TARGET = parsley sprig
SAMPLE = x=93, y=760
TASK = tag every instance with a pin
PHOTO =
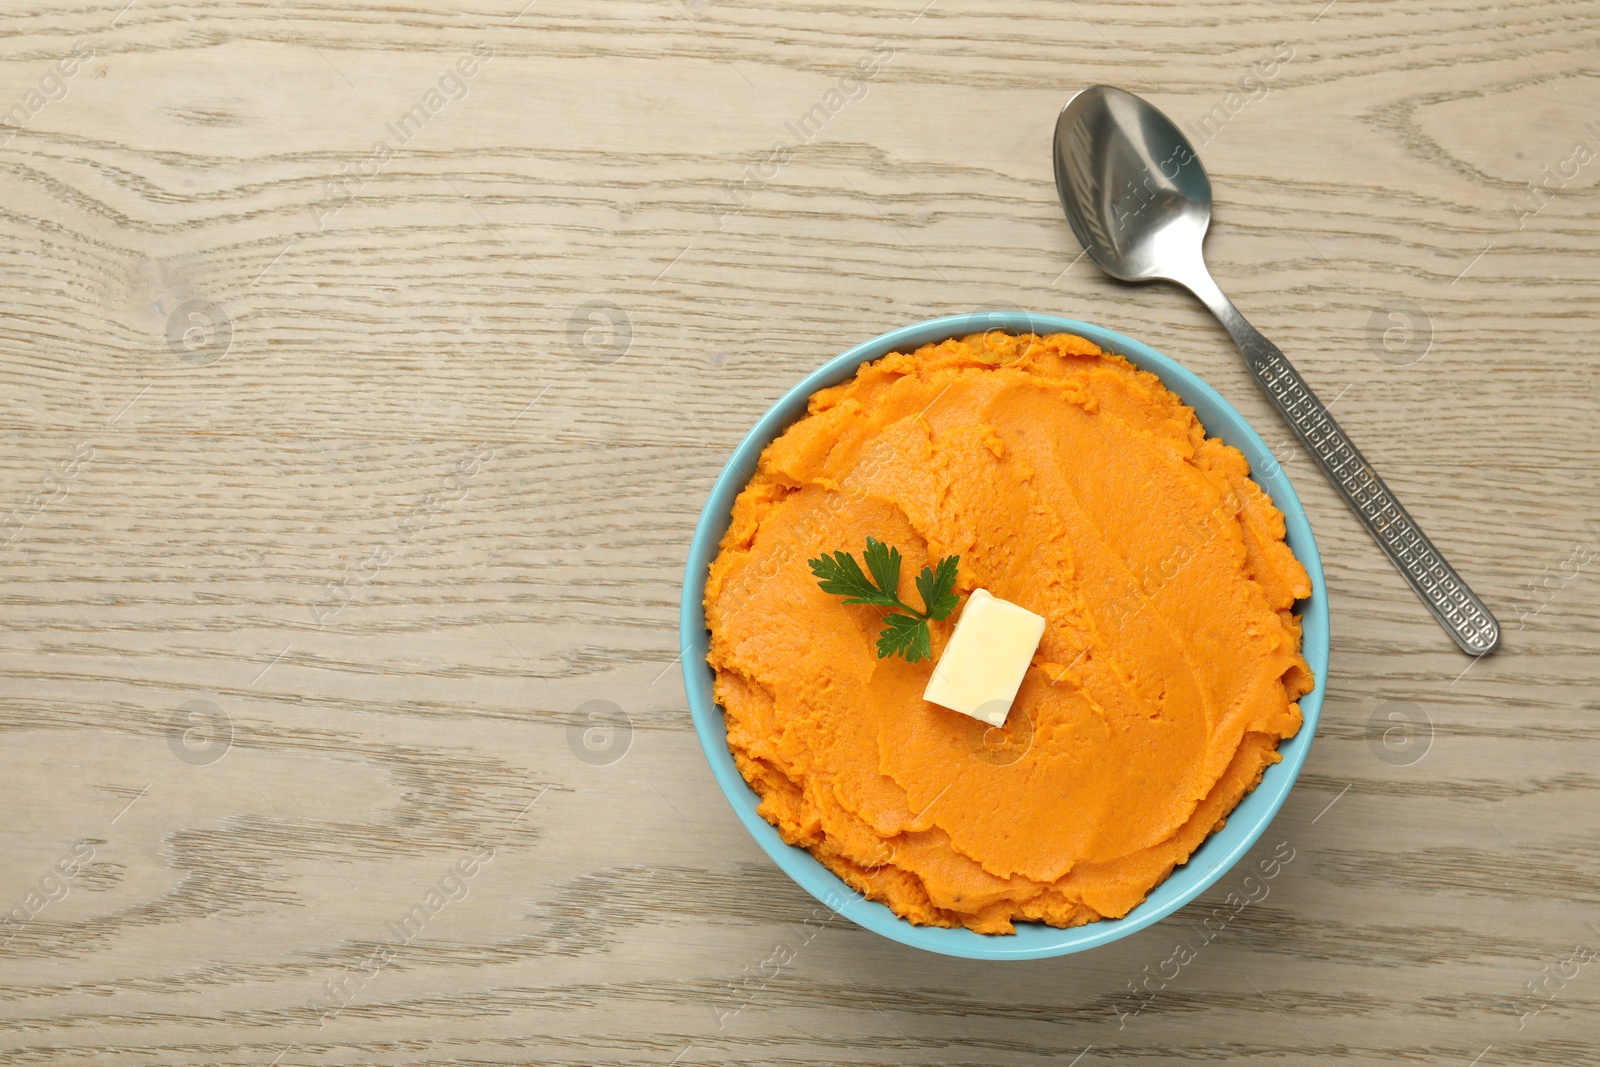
x=905, y=629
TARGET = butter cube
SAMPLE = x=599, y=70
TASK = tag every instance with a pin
x=988, y=654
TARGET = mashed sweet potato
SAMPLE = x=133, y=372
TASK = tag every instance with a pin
x=1073, y=484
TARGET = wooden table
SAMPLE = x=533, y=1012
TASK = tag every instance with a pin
x=364, y=370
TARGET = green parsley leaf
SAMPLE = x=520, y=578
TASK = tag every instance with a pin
x=884, y=563
x=841, y=575
x=937, y=587
x=905, y=636
x=905, y=629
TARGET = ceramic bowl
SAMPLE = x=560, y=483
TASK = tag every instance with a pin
x=1211, y=860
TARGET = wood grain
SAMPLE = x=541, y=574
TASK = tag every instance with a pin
x=335, y=502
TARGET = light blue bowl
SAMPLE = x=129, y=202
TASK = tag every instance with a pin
x=1032, y=940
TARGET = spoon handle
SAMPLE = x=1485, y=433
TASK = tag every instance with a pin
x=1456, y=607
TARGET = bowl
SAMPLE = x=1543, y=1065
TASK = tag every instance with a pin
x=1216, y=854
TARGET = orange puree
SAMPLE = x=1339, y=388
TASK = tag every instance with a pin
x=1081, y=488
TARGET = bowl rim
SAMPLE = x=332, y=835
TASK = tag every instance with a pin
x=1211, y=859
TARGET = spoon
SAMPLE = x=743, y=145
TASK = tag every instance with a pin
x=1140, y=202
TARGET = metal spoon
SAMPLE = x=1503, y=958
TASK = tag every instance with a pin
x=1140, y=202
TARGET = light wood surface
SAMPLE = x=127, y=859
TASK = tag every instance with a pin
x=328, y=525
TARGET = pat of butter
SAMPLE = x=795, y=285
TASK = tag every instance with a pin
x=989, y=652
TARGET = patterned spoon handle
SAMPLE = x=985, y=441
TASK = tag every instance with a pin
x=1456, y=607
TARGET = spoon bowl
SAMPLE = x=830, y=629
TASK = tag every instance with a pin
x=1131, y=185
